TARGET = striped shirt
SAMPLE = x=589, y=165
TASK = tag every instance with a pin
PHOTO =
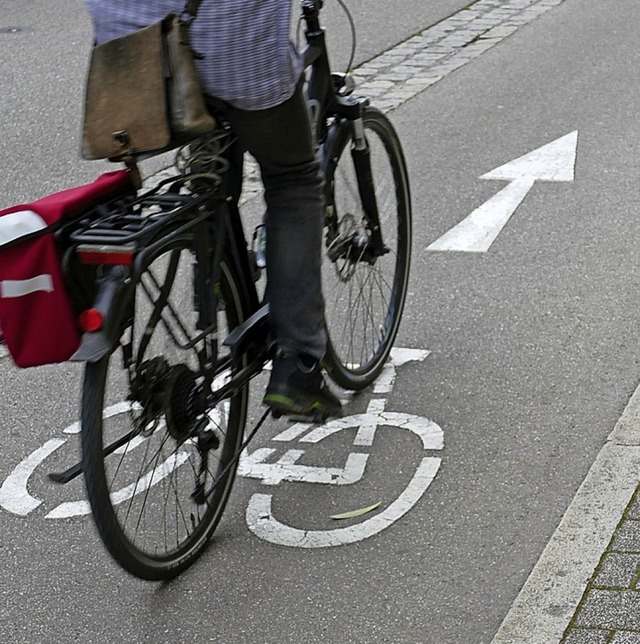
x=248, y=57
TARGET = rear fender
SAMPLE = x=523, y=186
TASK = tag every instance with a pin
x=112, y=300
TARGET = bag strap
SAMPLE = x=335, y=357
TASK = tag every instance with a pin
x=191, y=7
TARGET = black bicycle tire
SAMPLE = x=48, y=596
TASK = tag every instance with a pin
x=375, y=122
x=117, y=543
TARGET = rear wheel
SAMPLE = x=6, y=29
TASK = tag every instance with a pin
x=158, y=459
x=365, y=290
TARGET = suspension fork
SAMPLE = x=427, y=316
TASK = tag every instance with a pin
x=361, y=156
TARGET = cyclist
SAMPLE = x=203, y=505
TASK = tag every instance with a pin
x=250, y=64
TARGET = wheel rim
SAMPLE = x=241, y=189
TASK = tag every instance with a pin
x=364, y=295
x=161, y=496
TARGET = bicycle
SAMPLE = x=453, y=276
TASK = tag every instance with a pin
x=167, y=273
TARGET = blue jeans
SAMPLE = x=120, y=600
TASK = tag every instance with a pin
x=280, y=139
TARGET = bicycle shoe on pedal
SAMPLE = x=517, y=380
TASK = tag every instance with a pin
x=297, y=388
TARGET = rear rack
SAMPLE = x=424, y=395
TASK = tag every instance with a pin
x=129, y=220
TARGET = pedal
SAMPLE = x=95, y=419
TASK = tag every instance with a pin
x=312, y=419
x=253, y=330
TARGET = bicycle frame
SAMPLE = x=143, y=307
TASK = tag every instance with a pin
x=329, y=96
x=213, y=220
x=335, y=114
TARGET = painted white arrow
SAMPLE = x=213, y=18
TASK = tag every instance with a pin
x=554, y=161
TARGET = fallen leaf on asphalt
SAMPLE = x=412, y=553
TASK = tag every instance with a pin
x=356, y=513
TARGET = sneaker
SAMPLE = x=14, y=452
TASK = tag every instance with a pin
x=297, y=388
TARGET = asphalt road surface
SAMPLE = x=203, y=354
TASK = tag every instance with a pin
x=523, y=355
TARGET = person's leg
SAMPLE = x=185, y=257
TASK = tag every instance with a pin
x=280, y=140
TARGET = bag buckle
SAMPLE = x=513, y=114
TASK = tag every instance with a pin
x=121, y=139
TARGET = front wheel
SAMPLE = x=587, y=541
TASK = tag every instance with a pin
x=158, y=459
x=364, y=282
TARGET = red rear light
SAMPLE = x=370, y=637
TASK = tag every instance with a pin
x=110, y=255
x=90, y=320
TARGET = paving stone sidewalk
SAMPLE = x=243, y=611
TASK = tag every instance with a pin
x=408, y=69
x=609, y=611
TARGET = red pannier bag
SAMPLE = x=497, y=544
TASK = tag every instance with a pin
x=36, y=316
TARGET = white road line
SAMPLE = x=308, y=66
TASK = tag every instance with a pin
x=263, y=524
x=429, y=432
x=554, y=161
x=14, y=496
x=367, y=431
x=114, y=410
x=476, y=232
x=286, y=468
x=159, y=473
x=549, y=598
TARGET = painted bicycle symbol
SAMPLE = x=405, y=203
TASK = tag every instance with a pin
x=16, y=497
x=259, y=514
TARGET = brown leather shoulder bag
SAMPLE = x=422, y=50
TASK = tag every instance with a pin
x=143, y=95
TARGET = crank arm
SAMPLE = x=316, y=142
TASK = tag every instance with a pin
x=76, y=470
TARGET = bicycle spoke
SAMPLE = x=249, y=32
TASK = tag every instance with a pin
x=155, y=499
x=364, y=293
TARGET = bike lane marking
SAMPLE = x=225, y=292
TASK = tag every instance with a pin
x=14, y=496
x=259, y=516
x=263, y=524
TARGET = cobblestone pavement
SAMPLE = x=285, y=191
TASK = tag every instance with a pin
x=409, y=68
x=609, y=612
